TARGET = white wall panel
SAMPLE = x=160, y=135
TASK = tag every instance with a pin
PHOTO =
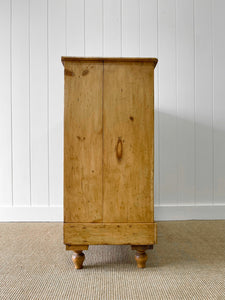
x=148, y=28
x=38, y=102
x=149, y=48
x=56, y=49
x=5, y=103
x=74, y=27
x=20, y=102
x=130, y=28
x=188, y=38
x=185, y=101
x=204, y=101
x=167, y=102
x=112, y=35
x=219, y=100
x=93, y=27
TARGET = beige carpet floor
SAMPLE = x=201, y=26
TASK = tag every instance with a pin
x=187, y=263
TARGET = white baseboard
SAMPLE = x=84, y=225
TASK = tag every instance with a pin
x=162, y=213
x=31, y=214
x=189, y=212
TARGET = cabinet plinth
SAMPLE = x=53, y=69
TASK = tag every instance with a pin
x=109, y=154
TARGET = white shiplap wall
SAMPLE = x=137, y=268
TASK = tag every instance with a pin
x=188, y=38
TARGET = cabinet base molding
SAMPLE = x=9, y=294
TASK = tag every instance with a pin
x=76, y=247
x=109, y=234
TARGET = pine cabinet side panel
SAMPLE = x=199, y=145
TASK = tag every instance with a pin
x=128, y=142
x=83, y=142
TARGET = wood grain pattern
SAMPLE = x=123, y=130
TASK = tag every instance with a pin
x=83, y=142
x=108, y=154
x=110, y=233
x=128, y=117
x=76, y=247
x=110, y=59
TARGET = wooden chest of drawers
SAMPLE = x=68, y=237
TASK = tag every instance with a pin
x=109, y=154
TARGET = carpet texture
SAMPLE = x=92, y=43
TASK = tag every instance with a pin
x=187, y=263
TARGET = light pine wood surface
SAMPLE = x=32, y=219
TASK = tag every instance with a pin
x=109, y=233
x=128, y=122
x=109, y=154
x=83, y=142
x=110, y=59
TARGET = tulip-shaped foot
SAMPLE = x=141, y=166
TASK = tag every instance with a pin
x=78, y=259
x=140, y=256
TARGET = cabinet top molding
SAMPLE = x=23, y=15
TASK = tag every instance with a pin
x=114, y=59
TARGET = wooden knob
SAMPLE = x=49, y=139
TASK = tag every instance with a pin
x=119, y=149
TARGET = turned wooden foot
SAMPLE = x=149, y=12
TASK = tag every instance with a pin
x=140, y=256
x=78, y=259
x=78, y=256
